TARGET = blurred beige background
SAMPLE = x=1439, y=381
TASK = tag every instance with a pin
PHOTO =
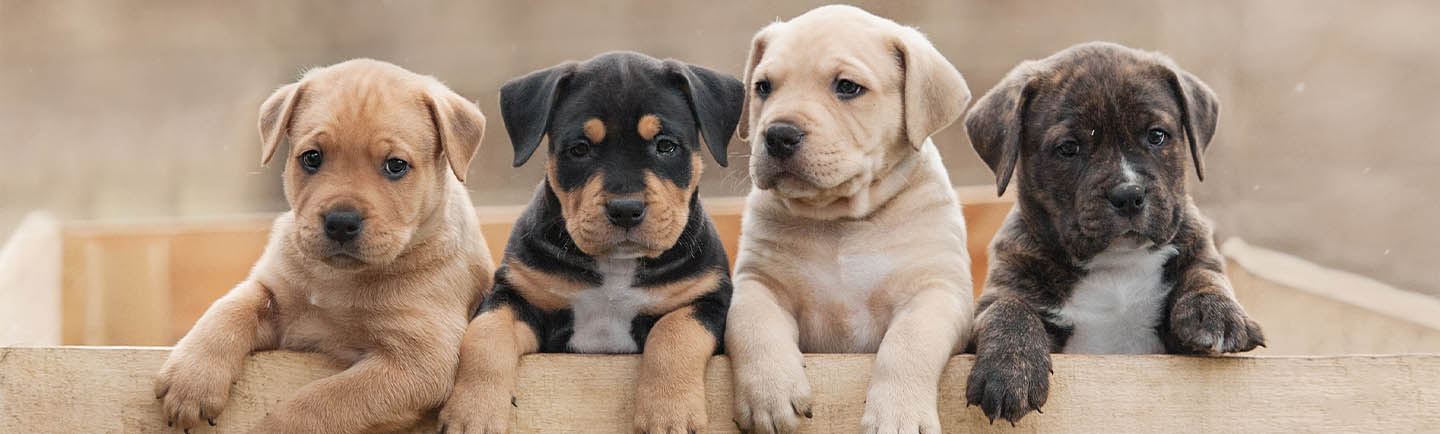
x=126, y=110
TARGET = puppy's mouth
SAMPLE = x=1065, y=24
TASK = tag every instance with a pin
x=631, y=249
x=801, y=186
x=343, y=260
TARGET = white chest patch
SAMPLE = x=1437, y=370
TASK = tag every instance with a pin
x=603, y=314
x=1115, y=308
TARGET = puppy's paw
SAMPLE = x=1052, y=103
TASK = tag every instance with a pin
x=896, y=409
x=771, y=397
x=192, y=390
x=670, y=409
x=474, y=412
x=1008, y=384
x=1210, y=323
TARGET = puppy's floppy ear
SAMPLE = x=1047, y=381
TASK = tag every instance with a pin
x=747, y=84
x=935, y=93
x=996, y=121
x=1199, y=111
x=715, y=100
x=526, y=104
x=275, y=115
x=459, y=126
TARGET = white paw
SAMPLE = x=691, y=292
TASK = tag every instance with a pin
x=898, y=409
x=771, y=398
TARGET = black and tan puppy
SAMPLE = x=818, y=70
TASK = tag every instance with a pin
x=1104, y=251
x=615, y=253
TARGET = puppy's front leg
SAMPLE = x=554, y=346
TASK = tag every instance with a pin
x=923, y=335
x=1204, y=316
x=670, y=396
x=195, y=380
x=762, y=340
x=1011, y=375
x=385, y=391
x=485, y=383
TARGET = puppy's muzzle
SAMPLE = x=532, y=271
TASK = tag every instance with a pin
x=625, y=212
x=343, y=225
x=1127, y=199
x=782, y=139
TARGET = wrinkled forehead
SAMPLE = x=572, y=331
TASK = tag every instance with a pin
x=621, y=96
x=801, y=50
x=1110, y=92
x=362, y=109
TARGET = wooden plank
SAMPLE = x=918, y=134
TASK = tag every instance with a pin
x=75, y=389
x=1309, y=309
x=116, y=288
x=203, y=266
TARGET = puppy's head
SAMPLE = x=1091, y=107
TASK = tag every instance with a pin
x=1101, y=135
x=836, y=98
x=372, y=148
x=624, y=132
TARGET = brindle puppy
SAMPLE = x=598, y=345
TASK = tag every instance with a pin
x=1104, y=252
x=615, y=253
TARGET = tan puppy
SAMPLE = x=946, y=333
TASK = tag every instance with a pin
x=377, y=264
x=853, y=240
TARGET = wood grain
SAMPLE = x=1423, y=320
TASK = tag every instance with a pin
x=108, y=390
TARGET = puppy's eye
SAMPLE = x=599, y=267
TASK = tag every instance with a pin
x=579, y=150
x=1157, y=137
x=762, y=89
x=666, y=146
x=1068, y=149
x=310, y=160
x=847, y=89
x=395, y=168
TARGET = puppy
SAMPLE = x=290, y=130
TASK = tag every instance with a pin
x=376, y=265
x=615, y=253
x=852, y=240
x=1104, y=251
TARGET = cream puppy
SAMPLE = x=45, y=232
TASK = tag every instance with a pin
x=852, y=240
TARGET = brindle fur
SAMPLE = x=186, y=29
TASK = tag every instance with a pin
x=1105, y=97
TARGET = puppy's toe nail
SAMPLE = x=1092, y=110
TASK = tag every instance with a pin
x=170, y=423
x=212, y=421
x=1037, y=411
x=512, y=402
x=444, y=427
x=809, y=414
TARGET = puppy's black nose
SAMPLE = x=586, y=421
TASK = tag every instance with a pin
x=343, y=226
x=782, y=139
x=1128, y=199
x=625, y=212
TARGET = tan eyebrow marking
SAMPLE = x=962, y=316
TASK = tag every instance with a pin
x=595, y=130
x=648, y=127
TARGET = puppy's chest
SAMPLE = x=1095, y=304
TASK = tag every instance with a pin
x=323, y=322
x=842, y=314
x=1116, y=307
x=604, y=315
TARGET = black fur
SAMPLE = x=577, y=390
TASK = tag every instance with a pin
x=618, y=89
